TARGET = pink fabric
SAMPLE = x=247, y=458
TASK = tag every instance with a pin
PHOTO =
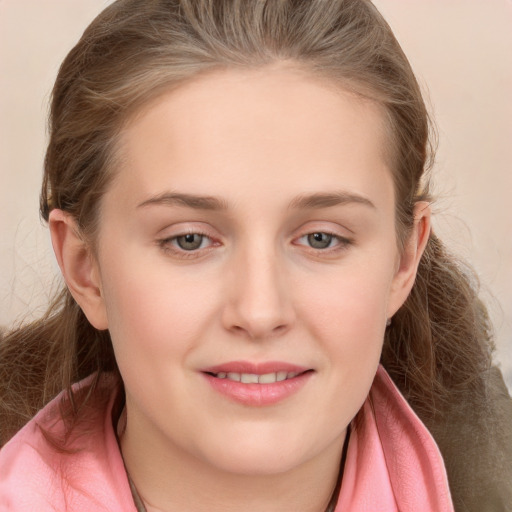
x=392, y=465
x=36, y=477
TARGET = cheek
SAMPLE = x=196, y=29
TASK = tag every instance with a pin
x=152, y=312
x=348, y=313
x=349, y=322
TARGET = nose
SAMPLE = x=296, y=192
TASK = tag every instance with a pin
x=259, y=302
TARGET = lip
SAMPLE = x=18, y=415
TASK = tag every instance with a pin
x=256, y=368
x=257, y=395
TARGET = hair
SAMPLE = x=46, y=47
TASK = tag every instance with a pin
x=439, y=344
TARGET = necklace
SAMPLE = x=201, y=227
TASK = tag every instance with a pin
x=139, y=504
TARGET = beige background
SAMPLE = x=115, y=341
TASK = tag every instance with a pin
x=461, y=48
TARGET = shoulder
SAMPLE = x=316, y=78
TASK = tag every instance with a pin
x=475, y=438
x=84, y=473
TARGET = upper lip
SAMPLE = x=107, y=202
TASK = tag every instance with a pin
x=260, y=368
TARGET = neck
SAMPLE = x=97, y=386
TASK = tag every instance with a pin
x=169, y=480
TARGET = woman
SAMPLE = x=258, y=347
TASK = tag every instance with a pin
x=238, y=203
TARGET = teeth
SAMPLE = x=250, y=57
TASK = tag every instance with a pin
x=252, y=378
x=249, y=378
x=268, y=378
x=281, y=376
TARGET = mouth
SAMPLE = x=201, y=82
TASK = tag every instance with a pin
x=257, y=384
x=254, y=378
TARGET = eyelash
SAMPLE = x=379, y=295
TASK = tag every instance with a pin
x=169, y=247
x=169, y=244
x=342, y=243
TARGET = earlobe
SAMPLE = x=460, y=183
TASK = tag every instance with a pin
x=78, y=267
x=405, y=276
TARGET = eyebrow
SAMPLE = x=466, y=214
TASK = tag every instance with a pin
x=309, y=201
x=188, y=200
x=326, y=200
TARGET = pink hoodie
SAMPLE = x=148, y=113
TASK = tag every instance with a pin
x=392, y=464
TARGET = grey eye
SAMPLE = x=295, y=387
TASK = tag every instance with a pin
x=190, y=241
x=320, y=240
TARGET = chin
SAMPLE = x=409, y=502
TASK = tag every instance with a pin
x=264, y=458
x=257, y=464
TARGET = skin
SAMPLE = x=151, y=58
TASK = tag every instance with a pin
x=260, y=142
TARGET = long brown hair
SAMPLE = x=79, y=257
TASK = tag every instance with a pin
x=439, y=343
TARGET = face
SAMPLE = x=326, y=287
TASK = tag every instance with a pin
x=247, y=263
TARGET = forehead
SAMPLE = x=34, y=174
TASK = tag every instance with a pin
x=249, y=125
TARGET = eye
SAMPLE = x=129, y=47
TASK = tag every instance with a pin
x=190, y=241
x=186, y=244
x=321, y=240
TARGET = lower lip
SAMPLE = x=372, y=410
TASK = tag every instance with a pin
x=258, y=394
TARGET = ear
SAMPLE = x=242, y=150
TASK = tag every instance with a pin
x=78, y=266
x=405, y=276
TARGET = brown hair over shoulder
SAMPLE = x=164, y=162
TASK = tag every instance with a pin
x=438, y=346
